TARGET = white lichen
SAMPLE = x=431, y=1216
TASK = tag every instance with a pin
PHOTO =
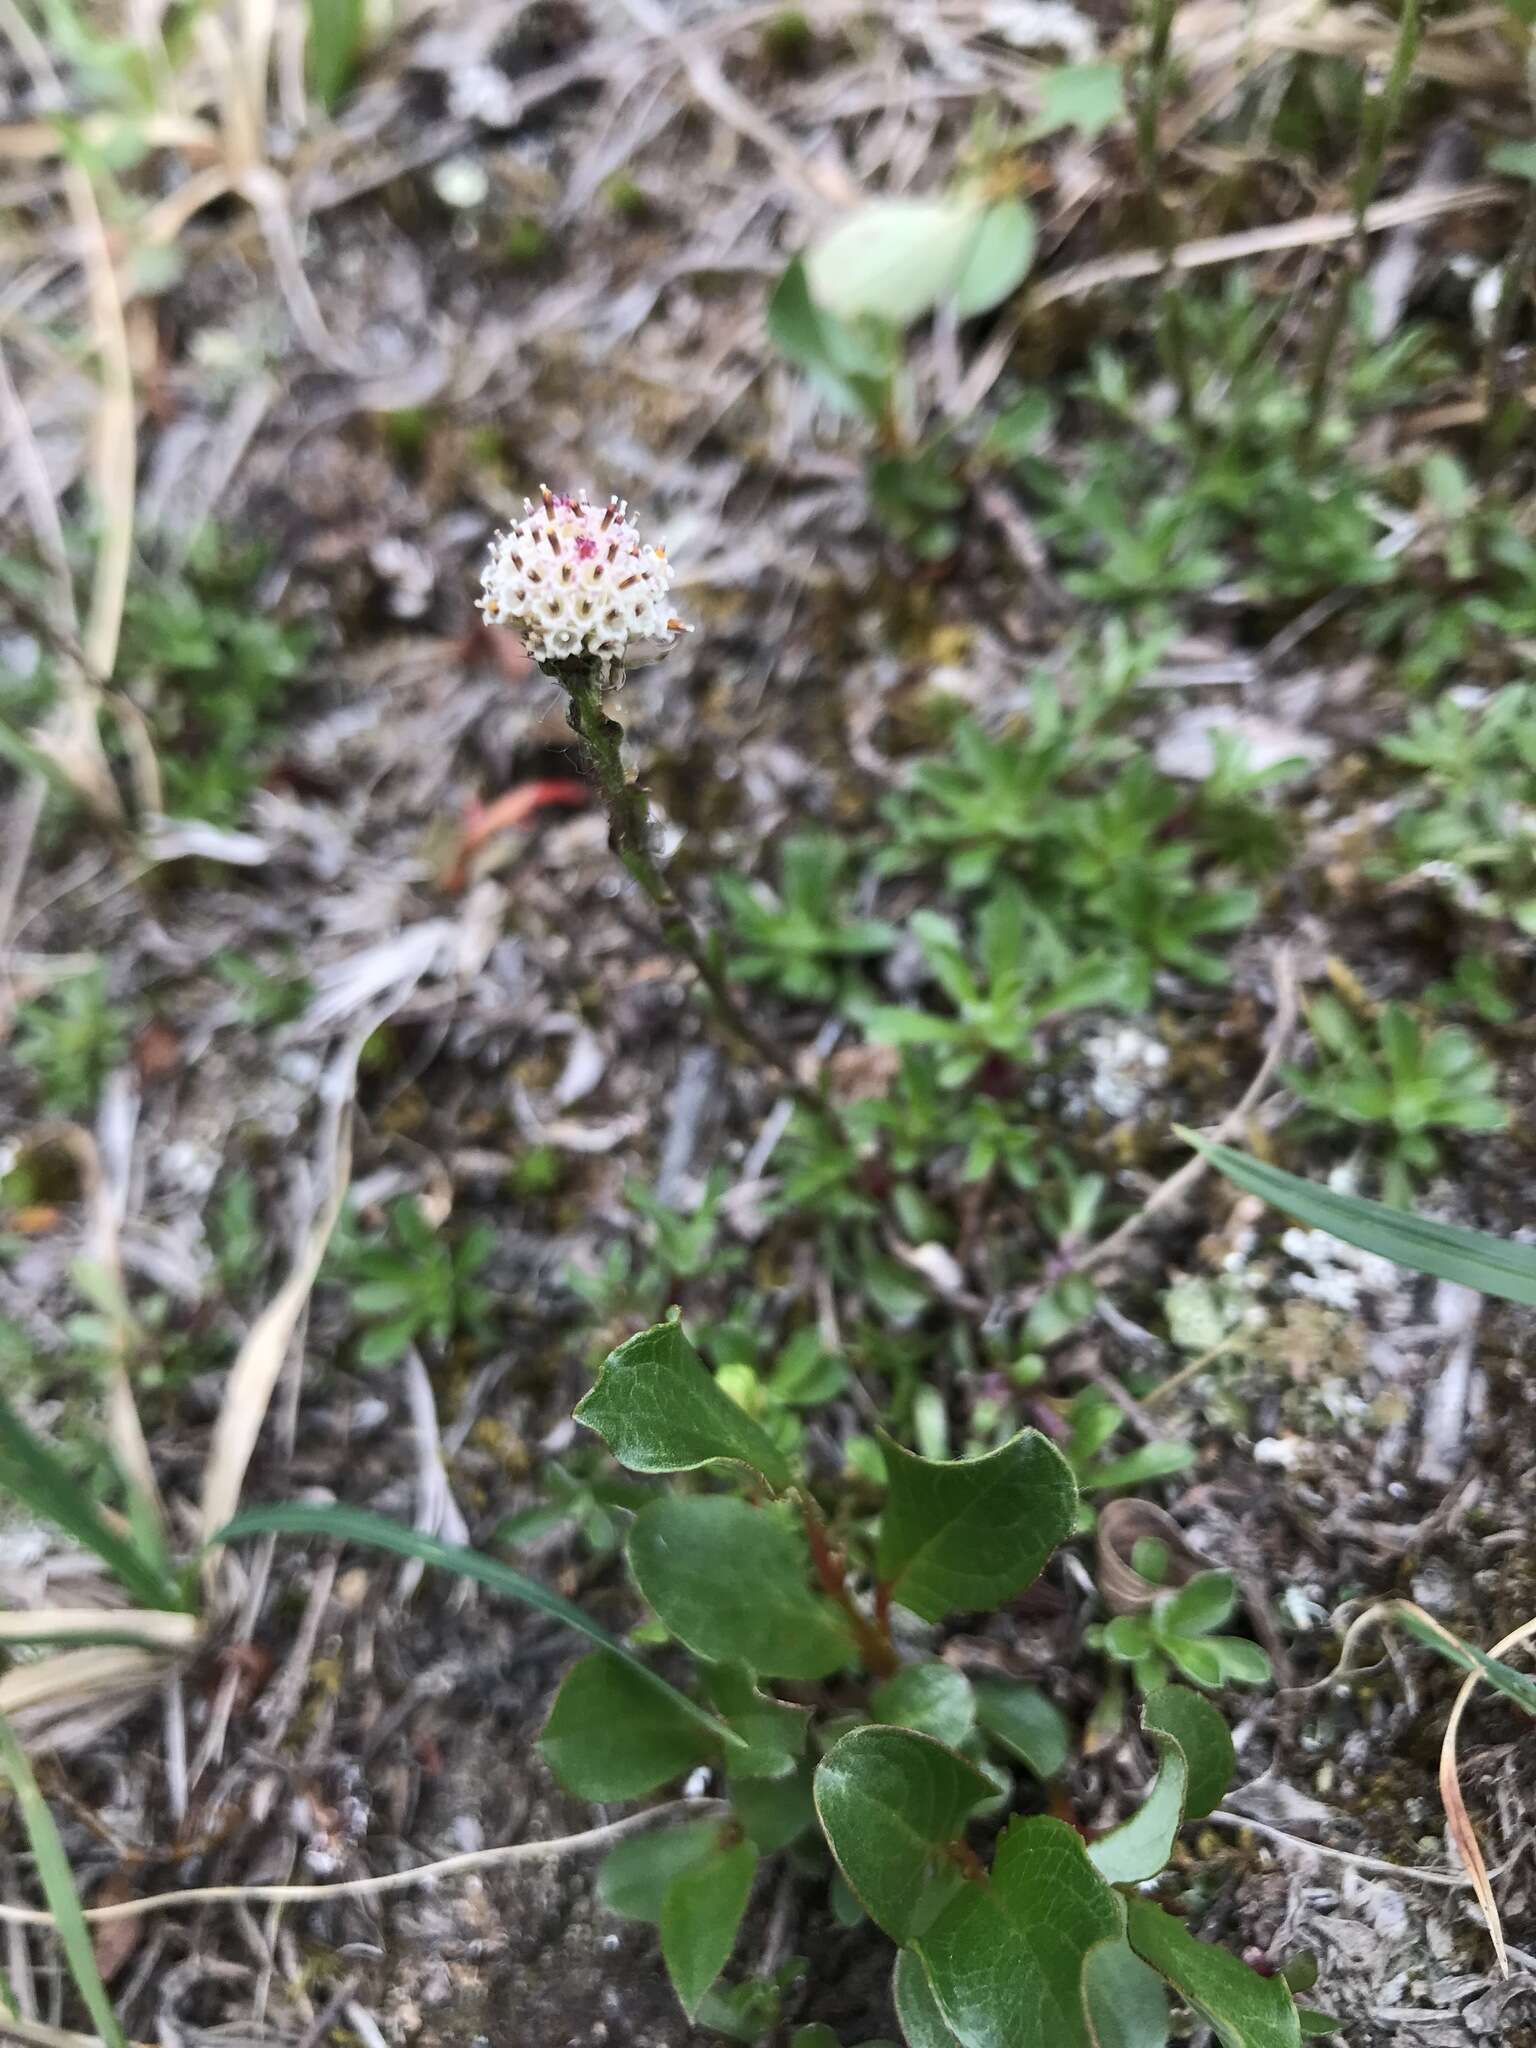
x=575, y=582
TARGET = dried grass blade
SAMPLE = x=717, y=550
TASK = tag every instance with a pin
x=149, y=1628
x=254, y=1375
x=79, y=1676
x=1462, y=1832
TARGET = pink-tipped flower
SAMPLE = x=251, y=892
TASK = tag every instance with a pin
x=574, y=581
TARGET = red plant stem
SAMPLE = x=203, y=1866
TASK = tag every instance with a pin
x=875, y=1645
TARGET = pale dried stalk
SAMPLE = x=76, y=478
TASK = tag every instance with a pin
x=154, y=1628
x=253, y=1377
x=388, y=1881
x=79, y=1676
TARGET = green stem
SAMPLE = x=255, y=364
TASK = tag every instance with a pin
x=629, y=834
x=1379, y=118
x=1151, y=93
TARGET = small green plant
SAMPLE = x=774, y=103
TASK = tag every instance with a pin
x=1017, y=972
x=1402, y=1083
x=1467, y=821
x=412, y=1285
x=70, y=1040
x=212, y=674
x=1178, y=1633
x=804, y=940
x=1094, y=1421
x=840, y=1740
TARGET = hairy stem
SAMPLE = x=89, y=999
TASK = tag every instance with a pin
x=873, y=1638
x=630, y=836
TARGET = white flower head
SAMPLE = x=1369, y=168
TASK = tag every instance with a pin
x=574, y=581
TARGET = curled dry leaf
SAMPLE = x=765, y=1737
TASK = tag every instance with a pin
x=1458, y=1820
x=1122, y=1525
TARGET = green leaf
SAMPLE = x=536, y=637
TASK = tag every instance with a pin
x=935, y=1699
x=773, y=1811
x=1246, y=2010
x=893, y=259
x=1493, y=1265
x=1087, y=97
x=1316, y=2025
x=357, y=1525
x=58, y=1882
x=729, y=1581
x=700, y=1916
x=635, y=1874
x=333, y=47
x=999, y=260
x=1515, y=1685
x=773, y=1730
x=916, y=2007
x=612, y=1735
x=1198, y=1607
x=1516, y=159
x=1140, y=1846
x=1203, y=1735
x=849, y=367
x=1124, y=2001
x=890, y=1803
x=1005, y=1959
x=957, y=1537
x=1022, y=1721
x=658, y=1409
x=39, y=1479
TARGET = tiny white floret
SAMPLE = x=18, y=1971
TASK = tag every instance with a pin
x=575, y=582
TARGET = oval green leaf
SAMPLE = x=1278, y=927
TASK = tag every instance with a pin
x=957, y=1536
x=1199, y=1730
x=917, y=2009
x=729, y=1581
x=700, y=1916
x=1024, y=1723
x=613, y=1735
x=935, y=1699
x=999, y=260
x=1245, y=2009
x=1005, y=1959
x=890, y=1802
x=635, y=1874
x=1125, y=2002
x=1139, y=1847
x=893, y=259
x=657, y=1407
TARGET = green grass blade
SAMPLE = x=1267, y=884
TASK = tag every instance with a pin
x=58, y=1882
x=1514, y=1685
x=357, y=1525
x=36, y=1476
x=1493, y=1265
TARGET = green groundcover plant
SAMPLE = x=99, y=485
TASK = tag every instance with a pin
x=809, y=1685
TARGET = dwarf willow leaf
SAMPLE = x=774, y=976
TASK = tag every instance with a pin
x=959, y=1536
x=999, y=259
x=1139, y=1847
x=729, y=1581
x=658, y=1409
x=935, y=1699
x=700, y=1915
x=916, y=2007
x=773, y=1730
x=1448, y=1251
x=635, y=1874
x=1245, y=2009
x=890, y=1802
x=611, y=1734
x=1125, y=2002
x=1205, y=1739
x=1005, y=1959
x=893, y=259
x=1024, y=1723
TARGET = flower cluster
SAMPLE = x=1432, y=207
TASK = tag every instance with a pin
x=575, y=582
